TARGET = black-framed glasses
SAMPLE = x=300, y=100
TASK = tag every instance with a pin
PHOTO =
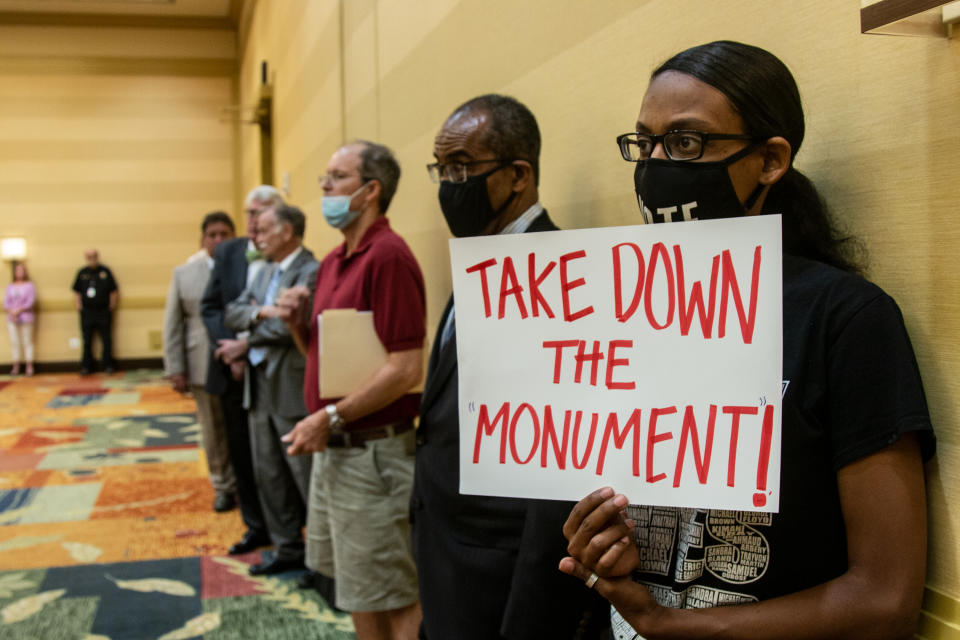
x=456, y=171
x=681, y=145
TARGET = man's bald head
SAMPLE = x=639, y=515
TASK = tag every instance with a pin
x=510, y=131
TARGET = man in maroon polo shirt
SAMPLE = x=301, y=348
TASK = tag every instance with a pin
x=357, y=528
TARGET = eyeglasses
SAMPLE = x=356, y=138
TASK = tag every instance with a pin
x=337, y=176
x=681, y=145
x=456, y=171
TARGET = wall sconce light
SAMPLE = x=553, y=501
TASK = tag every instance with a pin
x=13, y=248
x=909, y=17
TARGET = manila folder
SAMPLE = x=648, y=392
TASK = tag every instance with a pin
x=350, y=350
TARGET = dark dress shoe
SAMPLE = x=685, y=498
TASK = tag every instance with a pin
x=251, y=541
x=224, y=502
x=277, y=565
x=321, y=584
x=307, y=579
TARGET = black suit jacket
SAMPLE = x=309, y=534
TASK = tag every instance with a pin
x=487, y=565
x=227, y=281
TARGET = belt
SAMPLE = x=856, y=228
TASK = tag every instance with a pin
x=361, y=437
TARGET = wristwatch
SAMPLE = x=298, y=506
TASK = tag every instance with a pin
x=336, y=422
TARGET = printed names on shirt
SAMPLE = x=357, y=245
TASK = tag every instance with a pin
x=725, y=544
x=744, y=556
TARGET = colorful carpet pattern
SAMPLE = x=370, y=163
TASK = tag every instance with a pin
x=106, y=525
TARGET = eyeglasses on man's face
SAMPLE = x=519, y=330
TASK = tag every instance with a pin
x=680, y=145
x=337, y=176
x=456, y=171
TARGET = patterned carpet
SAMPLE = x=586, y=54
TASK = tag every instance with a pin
x=107, y=529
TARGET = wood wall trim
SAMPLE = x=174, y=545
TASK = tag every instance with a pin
x=44, y=19
x=941, y=605
x=939, y=617
x=885, y=12
x=236, y=11
x=90, y=65
x=71, y=366
x=125, y=304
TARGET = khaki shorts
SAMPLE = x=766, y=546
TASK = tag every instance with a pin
x=358, y=527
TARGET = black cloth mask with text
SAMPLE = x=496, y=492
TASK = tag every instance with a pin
x=669, y=191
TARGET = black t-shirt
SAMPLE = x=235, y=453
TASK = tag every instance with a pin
x=94, y=287
x=851, y=387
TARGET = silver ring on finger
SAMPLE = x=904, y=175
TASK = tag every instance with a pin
x=592, y=580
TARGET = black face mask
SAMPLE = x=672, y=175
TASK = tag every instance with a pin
x=466, y=205
x=669, y=191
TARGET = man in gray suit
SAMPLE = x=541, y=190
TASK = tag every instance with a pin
x=276, y=368
x=186, y=354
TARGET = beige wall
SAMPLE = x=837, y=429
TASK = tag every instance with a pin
x=883, y=131
x=110, y=138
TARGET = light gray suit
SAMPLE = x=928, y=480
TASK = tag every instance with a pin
x=186, y=351
x=277, y=404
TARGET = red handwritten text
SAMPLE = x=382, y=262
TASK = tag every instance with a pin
x=512, y=291
x=659, y=266
x=525, y=431
x=593, y=358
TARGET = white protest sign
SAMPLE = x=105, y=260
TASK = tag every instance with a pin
x=647, y=358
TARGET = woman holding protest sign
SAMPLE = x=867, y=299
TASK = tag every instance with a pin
x=844, y=557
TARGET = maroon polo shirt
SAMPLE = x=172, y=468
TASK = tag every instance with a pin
x=380, y=276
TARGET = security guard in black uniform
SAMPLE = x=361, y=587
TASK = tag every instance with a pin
x=95, y=293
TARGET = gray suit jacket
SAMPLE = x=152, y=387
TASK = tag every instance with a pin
x=284, y=366
x=185, y=342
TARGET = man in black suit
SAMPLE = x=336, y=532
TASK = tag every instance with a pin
x=235, y=263
x=487, y=566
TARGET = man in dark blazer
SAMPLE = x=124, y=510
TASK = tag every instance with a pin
x=487, y=565
x=234, y=262
x=276, y=370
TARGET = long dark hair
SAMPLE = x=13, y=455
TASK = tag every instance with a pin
x=763, y=92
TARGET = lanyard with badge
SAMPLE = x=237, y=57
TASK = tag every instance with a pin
x=91, y=289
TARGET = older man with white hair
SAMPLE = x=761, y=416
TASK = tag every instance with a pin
x=235, y=264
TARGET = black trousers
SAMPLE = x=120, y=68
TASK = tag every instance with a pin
x=238, y=444
x=97, y=321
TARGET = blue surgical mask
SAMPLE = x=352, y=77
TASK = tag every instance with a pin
x=337, y=211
